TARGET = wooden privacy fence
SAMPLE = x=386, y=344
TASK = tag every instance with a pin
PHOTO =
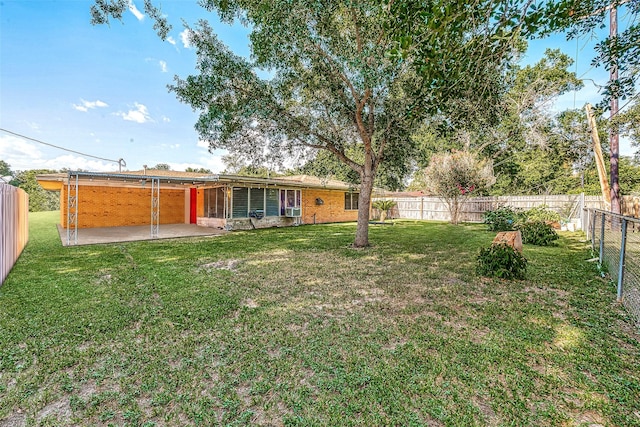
x=570, y=207
x=14, y=226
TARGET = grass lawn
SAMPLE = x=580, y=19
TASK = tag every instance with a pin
x=291, y=326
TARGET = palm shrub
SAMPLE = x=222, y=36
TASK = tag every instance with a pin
x=501, y=261
x=383, y=206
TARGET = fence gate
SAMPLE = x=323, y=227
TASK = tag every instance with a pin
x=616, y=240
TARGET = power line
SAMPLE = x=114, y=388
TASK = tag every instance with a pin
x=60, y=148
x=625, y=105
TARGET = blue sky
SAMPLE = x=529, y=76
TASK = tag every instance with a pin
x=102, y=90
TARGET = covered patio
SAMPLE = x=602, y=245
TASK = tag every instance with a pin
x=97, y=235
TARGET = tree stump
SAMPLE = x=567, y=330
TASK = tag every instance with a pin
x=510, y=238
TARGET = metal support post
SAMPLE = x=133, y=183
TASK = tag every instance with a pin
x=72, y=210
x=602, y=239
x=623, y=250
x=155, y=207
x=582, y=222
x=593, y=230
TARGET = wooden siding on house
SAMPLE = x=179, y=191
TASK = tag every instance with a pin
x=332, y=210
x=107, y=206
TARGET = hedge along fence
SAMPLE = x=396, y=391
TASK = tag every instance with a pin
x=14, y=226
x=570, y=207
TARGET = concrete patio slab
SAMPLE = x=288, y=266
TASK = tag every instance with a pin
x=90, y=236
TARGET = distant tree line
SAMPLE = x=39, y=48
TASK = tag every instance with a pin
x=39, y=198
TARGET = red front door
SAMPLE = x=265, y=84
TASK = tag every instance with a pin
x=193, y=204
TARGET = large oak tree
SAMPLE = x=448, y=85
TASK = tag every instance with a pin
x=343, y=76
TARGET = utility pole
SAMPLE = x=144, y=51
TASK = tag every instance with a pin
x=599, y=158
x=614, y=137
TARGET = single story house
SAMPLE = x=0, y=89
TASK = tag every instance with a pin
x=155, y=197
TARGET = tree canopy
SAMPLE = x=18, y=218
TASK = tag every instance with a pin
x=355, y=80
x=343, y=77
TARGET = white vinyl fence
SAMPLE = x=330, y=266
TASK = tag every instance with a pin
x=14, y=226
x=570, y=207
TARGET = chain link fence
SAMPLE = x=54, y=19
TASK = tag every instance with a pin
x=616, y=238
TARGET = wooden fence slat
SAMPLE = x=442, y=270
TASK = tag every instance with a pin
x=433, y=208
x=14, y=226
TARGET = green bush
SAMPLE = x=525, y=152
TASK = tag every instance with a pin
x=502, y=219
x=538, y=233
x=542, y=213
x=501, y=261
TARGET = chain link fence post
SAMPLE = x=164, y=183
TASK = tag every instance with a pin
x=601, y=255
x=623, y=250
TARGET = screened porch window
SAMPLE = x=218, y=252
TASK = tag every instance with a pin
x=273, y=206
x=214, y=199
x=248, y=201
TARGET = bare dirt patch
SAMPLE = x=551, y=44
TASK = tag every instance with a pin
x=229, y=264
x=59, y=409
x=14, y=420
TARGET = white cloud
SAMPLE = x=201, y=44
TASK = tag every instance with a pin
x=162, y=64
x=214, y=164
x=171, y=40
x=184, y=37
x=19, y=153
x=133, y=9
x=85, y=106
x=212, y=161
x=170, y=146
x=75, y=163
x=23, y=155
x=139, y=115
x=33, y=125
x=166, y=119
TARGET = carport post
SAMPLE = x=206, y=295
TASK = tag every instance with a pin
x=155, y=207
x=72, y=209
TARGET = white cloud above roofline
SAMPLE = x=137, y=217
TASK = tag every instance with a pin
x=134, y=10
x=184, y=38
x=140, y=114
x=85, y=106
x=24, y=155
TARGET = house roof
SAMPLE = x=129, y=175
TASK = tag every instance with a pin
x=56, y=180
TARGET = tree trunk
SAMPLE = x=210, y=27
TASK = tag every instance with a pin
x=364, y=201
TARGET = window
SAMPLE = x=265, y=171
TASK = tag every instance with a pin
x=214, y=202
x=290, y=199
x=256, y=199
x=351, y=201
x=273, y=202
x=240, y=202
